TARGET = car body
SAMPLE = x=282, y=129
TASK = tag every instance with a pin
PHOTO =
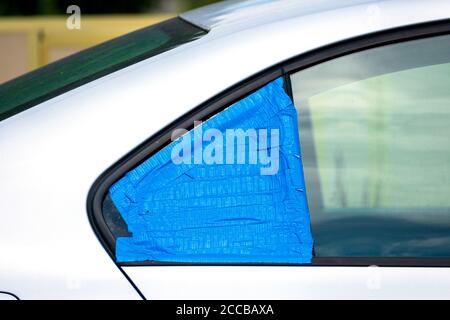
x=53, y=154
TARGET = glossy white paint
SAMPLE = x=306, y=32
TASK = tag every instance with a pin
x=51, y=154
x=229, y=16
x=267, y=283
x=6, y=297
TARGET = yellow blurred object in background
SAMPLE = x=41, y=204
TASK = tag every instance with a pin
x=29, y=43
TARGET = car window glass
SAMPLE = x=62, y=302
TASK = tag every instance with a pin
x=375, y=130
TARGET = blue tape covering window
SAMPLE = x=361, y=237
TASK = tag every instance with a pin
x=221, y=213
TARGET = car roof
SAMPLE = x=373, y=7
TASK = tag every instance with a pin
x=250, y=13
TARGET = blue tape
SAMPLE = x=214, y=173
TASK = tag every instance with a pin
x=224, y=213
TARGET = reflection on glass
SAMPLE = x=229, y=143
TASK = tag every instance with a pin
x=375, y=129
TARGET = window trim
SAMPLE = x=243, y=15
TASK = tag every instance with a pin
x=214, y=105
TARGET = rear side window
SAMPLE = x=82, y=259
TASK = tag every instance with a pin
x=375, y=128
x=229, y=191
x=87, y=65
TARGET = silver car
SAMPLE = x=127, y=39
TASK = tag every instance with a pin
x=356, y=94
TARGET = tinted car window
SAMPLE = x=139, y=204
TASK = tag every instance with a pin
x=87, y=65
x=374, y=130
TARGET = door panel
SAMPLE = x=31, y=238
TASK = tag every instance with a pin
x=373, y=128
x=191, y=282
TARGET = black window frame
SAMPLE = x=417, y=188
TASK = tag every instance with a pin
x=216, y=104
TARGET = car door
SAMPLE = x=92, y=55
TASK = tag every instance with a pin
x=359, y=207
